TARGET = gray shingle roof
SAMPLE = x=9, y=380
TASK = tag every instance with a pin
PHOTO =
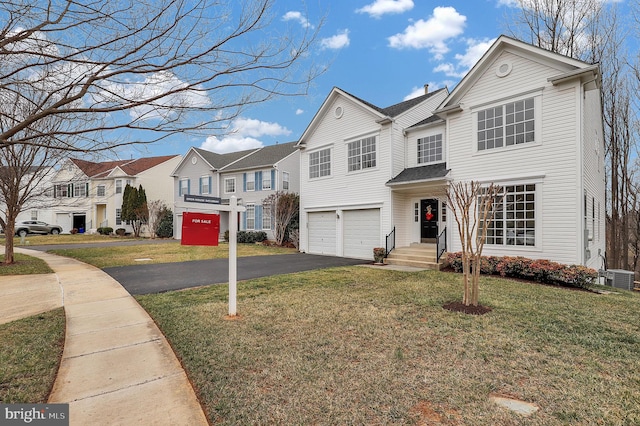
x=266, y=156
x=422, y=173
x=219, y=161
x=399, y=108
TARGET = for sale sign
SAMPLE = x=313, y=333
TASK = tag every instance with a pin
x=200, y=229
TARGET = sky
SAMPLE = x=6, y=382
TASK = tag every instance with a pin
x=382, y=51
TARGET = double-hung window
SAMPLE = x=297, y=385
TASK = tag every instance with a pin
x=266, y=216
x=506, y=125
x=118, y=186
x=251, y=182
x=184, y=187
x=266, y=180
x=285, y=180
x=514, y=220
x=229, y=185
x=361, y=154
x=251, y=217
x=80, y=189
x=204, y=185
x=430, y=149
x=320, y=163
x=101, y=191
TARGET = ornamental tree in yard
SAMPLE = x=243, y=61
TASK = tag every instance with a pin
x=284, y=208
x=473, y=206
x=134, y=207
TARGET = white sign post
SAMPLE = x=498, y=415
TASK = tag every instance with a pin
x=233, y=208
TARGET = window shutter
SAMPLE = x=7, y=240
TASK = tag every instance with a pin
x=210, y=188
x=273, y=180
x=244, y=182
x=258, y=224
x=258, y=181
x=70, y=190
x=200, y=186
x=188, y=186
x=86, y=192
x=54, y=191
x=244, y=221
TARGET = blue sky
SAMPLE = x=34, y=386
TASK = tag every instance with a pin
x=382, y=51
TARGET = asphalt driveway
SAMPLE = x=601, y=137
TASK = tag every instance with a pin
x=158, y=278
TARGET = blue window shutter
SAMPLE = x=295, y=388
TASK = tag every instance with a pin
x=273, y=180
x=244, y=221
x=210, y=188
x=188, y=186
x=258, y=181
x=244, y=182
x=200, y=186
x=258, y=218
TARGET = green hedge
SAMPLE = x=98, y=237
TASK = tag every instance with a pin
x=105, y=230
x=540, y=270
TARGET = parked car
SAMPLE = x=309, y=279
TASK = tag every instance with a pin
x=36, y=227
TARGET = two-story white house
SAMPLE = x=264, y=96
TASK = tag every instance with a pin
x=88, y=195
x=251, y=176
x=524, y=118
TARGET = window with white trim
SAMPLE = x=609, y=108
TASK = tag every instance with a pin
x=251, y=182
x=229, y=185
x=514, y=220
x=61, y=190
x=361, y=154
x=118, y=216
x=251, y=217
x=204, y=185
x=118, y=186
x=80, y=189
x=320, y=163
x=34, y=214
x=266, y=180
x=285, y=180
x=101, y=191
x=430, y=149
x=506, y=125
x=184, y=187
x=266, y=216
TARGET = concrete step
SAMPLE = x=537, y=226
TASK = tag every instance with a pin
x=417, y=255
x=430, y=257
x=415, y=263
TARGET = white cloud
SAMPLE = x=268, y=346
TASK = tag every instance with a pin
x=475, y=50
x=337, y=41
x=432, y=34
x=419, y=91
x=244, y=134
x=299, y=111
x=382, y=7
x=297, y=16
x=229, y=144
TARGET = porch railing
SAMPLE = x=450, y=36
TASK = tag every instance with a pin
x=390, y=243
x=441, y=244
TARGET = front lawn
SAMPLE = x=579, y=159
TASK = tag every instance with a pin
x=24, y=265
x=167, y=252
x=30, y=352
x=370, y=346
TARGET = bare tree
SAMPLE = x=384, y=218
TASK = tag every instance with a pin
x=473, y=206
x=110, y=67
x=284, y=207
x=154, y=207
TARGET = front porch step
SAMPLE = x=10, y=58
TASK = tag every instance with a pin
x=416, y=255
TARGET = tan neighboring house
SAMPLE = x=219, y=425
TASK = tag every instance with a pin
x=88, y=195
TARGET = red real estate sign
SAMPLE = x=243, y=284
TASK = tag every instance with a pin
x=200, y=229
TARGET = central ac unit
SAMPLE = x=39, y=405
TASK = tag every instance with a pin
x=619, y=278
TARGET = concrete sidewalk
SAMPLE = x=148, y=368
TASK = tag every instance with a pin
x=117, y=368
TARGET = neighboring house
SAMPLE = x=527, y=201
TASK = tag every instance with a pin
x=37, y=205
x=88, y=195
x=524, y=118
x=251, y=176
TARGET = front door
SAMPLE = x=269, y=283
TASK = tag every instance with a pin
x=429, y=220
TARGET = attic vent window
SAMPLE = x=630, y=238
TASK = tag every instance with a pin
x=504, y=69
x=338, y=112
x=194, y=159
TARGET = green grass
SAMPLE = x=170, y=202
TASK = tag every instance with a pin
x=371, y=346
x=30, y=352
x=104, y=257
x=35, y=239
x=24, y=265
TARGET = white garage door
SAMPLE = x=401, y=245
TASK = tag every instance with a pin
x=361, y=232
x=177, y=229
x=64, y=220
x=322, y=233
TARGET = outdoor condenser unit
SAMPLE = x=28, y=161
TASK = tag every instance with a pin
x=619, y=278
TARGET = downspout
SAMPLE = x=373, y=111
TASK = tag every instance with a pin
x=581, y=198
